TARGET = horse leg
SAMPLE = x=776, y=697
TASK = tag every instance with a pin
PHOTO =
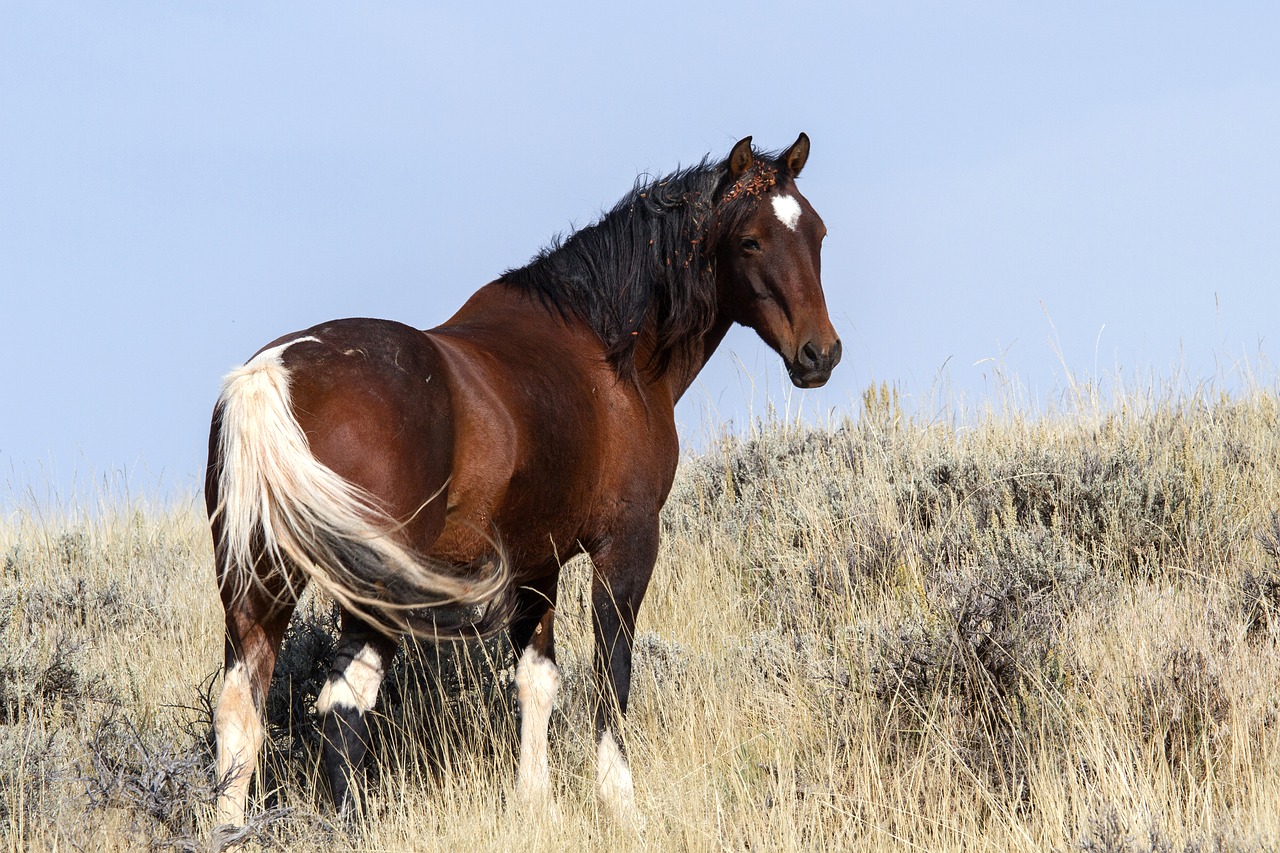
x=537, y=681
x=256, y=621
x=622, y=575
x=347, y=696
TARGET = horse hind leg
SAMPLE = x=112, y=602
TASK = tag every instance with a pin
x=348, y=695
x=537, y=682
x=256, y=623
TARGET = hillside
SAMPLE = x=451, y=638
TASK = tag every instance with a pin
x=1019, y=634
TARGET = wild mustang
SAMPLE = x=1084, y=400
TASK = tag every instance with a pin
x=424, y=478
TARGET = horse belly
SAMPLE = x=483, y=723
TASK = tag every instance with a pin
x=501, y=498
x=526, y=469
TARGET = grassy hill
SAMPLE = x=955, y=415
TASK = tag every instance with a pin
x=1016, y=634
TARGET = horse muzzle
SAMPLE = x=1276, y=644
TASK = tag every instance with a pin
x=811, y=367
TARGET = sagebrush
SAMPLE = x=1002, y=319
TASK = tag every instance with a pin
x=1006, y=633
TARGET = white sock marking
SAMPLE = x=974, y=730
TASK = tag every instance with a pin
x=537, y=681
x=787, y=209
x=240, y=731
x=357, y=685
x=614, y=789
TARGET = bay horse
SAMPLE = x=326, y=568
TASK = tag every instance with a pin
x=433, y=482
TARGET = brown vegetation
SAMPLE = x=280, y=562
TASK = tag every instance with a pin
x=1023, y=634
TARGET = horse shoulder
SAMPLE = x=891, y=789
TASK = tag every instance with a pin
x=640, y=452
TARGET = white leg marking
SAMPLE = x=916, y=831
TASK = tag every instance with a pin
x=614, y=789
x=239, y=730
x=787, y=209
x=356, y=686
x=537, y=681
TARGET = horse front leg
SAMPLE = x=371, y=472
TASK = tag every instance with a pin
x=622, y=572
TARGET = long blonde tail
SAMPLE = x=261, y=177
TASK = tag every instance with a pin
x=282, y=510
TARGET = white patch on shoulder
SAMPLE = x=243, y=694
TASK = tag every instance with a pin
x=787, y=209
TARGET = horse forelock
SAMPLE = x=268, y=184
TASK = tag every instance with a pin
x=649, y=259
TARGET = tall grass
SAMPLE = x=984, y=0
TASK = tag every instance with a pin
x=1001, y=632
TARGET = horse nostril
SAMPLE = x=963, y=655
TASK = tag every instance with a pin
x=809, y=355
x=835, y=352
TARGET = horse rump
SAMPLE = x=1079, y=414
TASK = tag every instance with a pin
x=281, y=517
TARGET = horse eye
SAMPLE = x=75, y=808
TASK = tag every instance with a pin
x=750, y=244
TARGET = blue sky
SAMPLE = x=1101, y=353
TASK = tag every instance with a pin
x=1009, y=187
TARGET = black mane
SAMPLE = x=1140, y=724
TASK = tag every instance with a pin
x=650, y=258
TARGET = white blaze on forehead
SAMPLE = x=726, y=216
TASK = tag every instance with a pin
x=787, y=209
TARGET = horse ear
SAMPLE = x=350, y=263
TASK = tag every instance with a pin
x=797, y=155
x=740, y=158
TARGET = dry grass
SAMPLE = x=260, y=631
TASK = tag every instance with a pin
x=1024, y=634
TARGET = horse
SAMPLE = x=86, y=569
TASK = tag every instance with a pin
x=433, y=482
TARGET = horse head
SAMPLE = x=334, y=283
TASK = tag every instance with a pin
x=768, y=244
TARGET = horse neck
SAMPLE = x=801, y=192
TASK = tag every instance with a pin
x=688, y=359
x=686, y=362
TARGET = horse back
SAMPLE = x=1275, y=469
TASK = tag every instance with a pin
x=505, y=424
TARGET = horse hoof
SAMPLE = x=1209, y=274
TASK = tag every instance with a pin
x=535, y=805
